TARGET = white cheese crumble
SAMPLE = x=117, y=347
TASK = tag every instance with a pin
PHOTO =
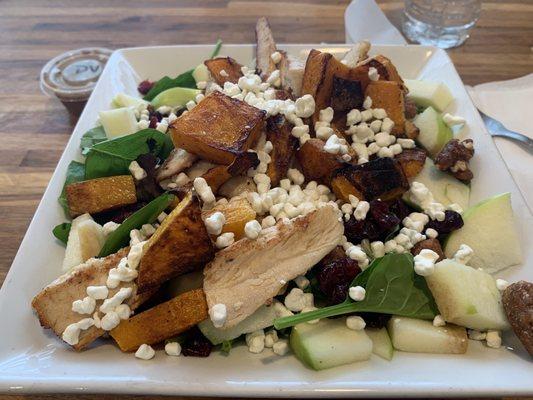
x=85, y=306
x=111, y=303
x=97, y=292
x=367, y=104
x=173, y=349
x=373, y=74
x=297, y=300
x=225, y=240
x=355, y=323
x=378, y=249
x=357, y=293
x=136, y=170
x=275, y=57
x=431, y=233
x=271, y=337
x=452, y=120
x=252, y=229
x=255, y=341
x=502, y=284
x=439, y=321
x=71, y=334
x=463, y=254
x=494, y=339
x=123, y=311
x=281, y=347
x=218, y=314
x=476, y=335
x=204, y=191
x=145, y=352
x=420, y=195
x=302, y=282
x=110, y=321
x=214, y=223
x=425, y=262
x=305, y=106
x=361, y=210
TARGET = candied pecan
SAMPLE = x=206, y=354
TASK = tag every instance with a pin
x=145, y=86
x=410, y=108
x=518, y=305
x=431, y=244
x=454, y=157
x=196, y=344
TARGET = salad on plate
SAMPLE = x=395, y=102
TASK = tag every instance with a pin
x=315, y=206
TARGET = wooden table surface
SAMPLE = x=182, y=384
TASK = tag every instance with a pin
x=34, y=129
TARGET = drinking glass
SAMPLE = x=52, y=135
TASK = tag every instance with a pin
x=441, y=23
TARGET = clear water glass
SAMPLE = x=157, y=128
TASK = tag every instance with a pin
x=441, y=23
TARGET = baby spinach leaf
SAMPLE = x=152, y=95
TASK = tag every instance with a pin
x=61, y=231
x=146, y=215
x=185, y=79
x=392, y=287
x=113, y=157
x=75, y=173
x=92, y=137
x=225, y=347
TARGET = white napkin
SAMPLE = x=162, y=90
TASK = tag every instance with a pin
x=510, y=103
x=364, y=19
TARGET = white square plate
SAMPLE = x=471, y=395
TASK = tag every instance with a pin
x=33, y=360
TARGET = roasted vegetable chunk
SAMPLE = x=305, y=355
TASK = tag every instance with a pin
x=389, y=96
x=284, y=146
x=181, y=244
x=224, y=69
x=382, y=178
x=317, y=164
x=346, y=95
x=320, y=71
x=100, y=194
x=219, y=128
x=237, y=212
x=411, y=130
x=162, y=321
x=412, y=161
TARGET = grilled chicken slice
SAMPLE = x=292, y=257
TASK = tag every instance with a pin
x=291, y=71
x=356, y=54
x=177, y=161
x=54, y=304
x=250, y=272
x=265, y=46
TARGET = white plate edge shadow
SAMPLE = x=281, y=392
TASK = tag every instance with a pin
x=22, y=383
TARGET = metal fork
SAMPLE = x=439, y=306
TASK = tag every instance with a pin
x=496, y=128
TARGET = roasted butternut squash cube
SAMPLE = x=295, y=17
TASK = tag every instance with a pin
x=411, y=130
x=224, y=69
x=219, y=128
x=284, y=146
x=346, y=95
x=162, y=321
x=181, y=244
x=412, y=161
x=317, y=164
x=100, y=194
x=320, y=71
x=237, y=212
x=386, y=69
x=389, y=96
x=382, y=178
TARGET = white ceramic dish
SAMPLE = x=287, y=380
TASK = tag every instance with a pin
x=33, y=360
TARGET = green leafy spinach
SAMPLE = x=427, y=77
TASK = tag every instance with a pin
x=75, y=173
x=61, y=231
x=92, y=137
x=185, y=79
x=392, y=287
x=146, y=215
x=225, y=347
x=113, y=157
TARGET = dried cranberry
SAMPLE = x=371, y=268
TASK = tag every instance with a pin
x=385, y=219
x=153, y=122
x=145, y=86
x=334, y=278
x=401, y=209
x=375, y=320
x=452, y=222
x=196, y=344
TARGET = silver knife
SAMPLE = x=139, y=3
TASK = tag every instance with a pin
x=496, y=128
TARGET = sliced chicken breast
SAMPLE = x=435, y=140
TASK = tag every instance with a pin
x=250, y=272
x=177, y=161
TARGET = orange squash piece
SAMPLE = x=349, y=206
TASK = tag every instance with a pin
x=237, y=212
x=232, y=69
x=389, y=96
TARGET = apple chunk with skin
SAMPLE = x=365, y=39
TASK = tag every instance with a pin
x=381, y=343
x=466, y=296
x=419, y=336
x=434, y=133
x=329, y=343
x=429, y=94
x=489, y=229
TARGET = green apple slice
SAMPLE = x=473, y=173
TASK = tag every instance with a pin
x=466, y=296
x=419, y=336
x=85, y=240
x=125, y=100
x=118, y=122
x=489, y=229
x=429, y=94
x=381, y=343
x=201, y=73
x=434, y=133
x=329, y=343
x=174, y=97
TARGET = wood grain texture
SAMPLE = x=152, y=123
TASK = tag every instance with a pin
x=34, y=129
